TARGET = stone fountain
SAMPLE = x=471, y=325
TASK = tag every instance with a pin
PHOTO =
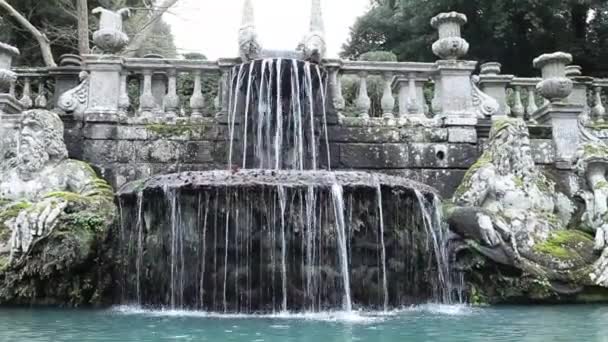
x=275, y=192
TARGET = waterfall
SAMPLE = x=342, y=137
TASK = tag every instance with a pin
x=282, y=114
x=277, y=234
x=338, y=201
x=383, y=246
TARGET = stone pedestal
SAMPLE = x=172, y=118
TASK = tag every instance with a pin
x=8, y=102
x=104, y=87
x=563, y=118
x=66, y=78
x=454, y=85
x=495, y=85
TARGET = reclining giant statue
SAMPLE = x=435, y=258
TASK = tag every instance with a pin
x=522, y=236
x=54, y=213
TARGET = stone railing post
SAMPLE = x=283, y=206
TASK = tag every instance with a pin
x=147, y=103
x=171, y=100
x=66, y=75
x=363, y=102
x=197, y=101
x=8, y=103
x=104, y=81
x=411, y=95
x=124, y=102
x=453, y=79
x=562, y=115
x=388, y=101
x=26, y=96
x=104, y=87
x=579, y=90
x=494, y=84
x=598, y=112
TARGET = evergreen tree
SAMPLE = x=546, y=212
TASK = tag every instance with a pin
x=512, y=32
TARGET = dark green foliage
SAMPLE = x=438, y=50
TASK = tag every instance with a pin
x=57, y=20
x=512, y=32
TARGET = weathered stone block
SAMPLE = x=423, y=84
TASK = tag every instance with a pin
x=543, y=151
x=462, y=135
x=166, y=151
x=423, y=155
x=362, y=134
x=131, y=133
x=420, y=134
x=374, y=156
x=445, y=181
x=100, y=151
x=99, y=131
x=199, y=152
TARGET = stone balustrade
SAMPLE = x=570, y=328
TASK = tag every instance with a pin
x=402, y=85
x=158, y=87
x=32, y=87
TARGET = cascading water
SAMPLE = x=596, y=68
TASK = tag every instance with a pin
x=285, y=236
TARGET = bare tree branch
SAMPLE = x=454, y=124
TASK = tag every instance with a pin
x=140, y=38
x=43, y=41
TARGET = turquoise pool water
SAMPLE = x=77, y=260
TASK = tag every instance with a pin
x=424, y=323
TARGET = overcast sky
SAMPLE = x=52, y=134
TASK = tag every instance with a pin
x=211, y=26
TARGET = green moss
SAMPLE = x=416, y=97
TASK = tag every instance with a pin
x=601, y=185
x=466, y=183
x=599, y=126
x=166, y=130
x=562, y=244
x=595, y=150
x=3, y=263
x=519, y=182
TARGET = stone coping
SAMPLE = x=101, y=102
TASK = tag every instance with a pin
x=272, y=178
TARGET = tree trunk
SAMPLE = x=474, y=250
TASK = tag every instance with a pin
x=82, y=10
x=43, y=41
x=140, y=38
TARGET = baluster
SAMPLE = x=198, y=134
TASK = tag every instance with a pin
x=171, y=100
x=363, y=102
x=26, y=97
x=598, y=111
x=123, y=100
x=518, y=107
x=335, y=80
x=436, y=104
x=403, y=100
x=225, y=90
x=41, y=101
x=13, y=86
x=388, y=101
x=412, y=103
x=146, y=100
x=532, y=107
x=197, y=101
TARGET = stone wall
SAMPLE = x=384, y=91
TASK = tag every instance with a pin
x=434, y=155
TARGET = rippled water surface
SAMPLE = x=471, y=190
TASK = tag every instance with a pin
x=425, y=323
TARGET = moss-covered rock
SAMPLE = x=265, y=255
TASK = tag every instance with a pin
x=70, y=266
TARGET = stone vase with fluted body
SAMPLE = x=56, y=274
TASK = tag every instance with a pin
x=450, y=44
x=555, y=86
x=110, y=37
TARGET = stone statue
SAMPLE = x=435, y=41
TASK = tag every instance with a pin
x=249, y=47
x=507, y=210
x=313, y=46
x=39, y=184
x=592, y=165
x=110, y=37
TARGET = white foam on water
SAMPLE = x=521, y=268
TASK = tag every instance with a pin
x=444, y=309
x=358, y=317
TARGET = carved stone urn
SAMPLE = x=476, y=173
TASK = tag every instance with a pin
x=490, y=68
x=450, y=45
x=555, y=86
x=7, y=53
x=110, y=37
